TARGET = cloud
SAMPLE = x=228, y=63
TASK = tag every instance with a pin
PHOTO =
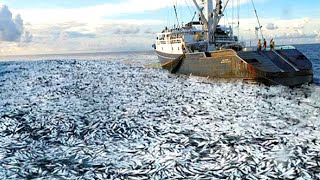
x=27, y=37
x=109, y=9
x=271, y=26
x=95, y=13
x=299, y=36
x=149, y=31
x=284, y=31
x=96, y=28
x=127, y=30
x=74, y=34
x=12, y=29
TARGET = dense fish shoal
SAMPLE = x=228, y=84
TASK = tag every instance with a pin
x=105, y=119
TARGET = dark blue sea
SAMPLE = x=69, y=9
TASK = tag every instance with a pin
x=106, y=116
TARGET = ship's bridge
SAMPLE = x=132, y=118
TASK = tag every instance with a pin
x=170, y=42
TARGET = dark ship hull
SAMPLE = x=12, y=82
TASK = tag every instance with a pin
x=287, y=67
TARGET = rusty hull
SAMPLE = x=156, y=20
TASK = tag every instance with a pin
x=277, y=67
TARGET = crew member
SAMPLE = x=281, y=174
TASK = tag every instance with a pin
x=272, y=44
x=259, y=45
x=264, y=44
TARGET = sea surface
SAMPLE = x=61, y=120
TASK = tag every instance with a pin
x=106, y=116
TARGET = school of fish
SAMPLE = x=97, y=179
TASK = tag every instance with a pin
x=100, y=119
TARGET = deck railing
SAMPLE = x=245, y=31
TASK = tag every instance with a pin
x=171, y=41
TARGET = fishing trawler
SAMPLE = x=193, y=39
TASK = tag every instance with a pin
x=205, y=48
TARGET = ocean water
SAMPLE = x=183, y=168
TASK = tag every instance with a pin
x=105, y=116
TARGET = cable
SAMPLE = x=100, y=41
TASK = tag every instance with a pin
x=191, y=12
x=175, y=10
x=238, y=19
x=260, y=27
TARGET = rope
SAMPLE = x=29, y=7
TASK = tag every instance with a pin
x=190, y=11
x=175, y=10
x=178, y=65
x=238, y=19
x=260, y=27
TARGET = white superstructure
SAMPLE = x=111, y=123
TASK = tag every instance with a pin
x=169, y=42
x=203, y=35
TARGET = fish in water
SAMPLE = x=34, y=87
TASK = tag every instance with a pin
x=104, y=119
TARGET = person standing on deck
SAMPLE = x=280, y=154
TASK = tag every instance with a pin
x=264, y=44
x=259, y=45
x=272, y=44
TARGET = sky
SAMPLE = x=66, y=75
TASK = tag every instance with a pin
x=47, y=27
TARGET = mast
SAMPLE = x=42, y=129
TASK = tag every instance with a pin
x=208, y=9
x=203, y=17
x=210, y=18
